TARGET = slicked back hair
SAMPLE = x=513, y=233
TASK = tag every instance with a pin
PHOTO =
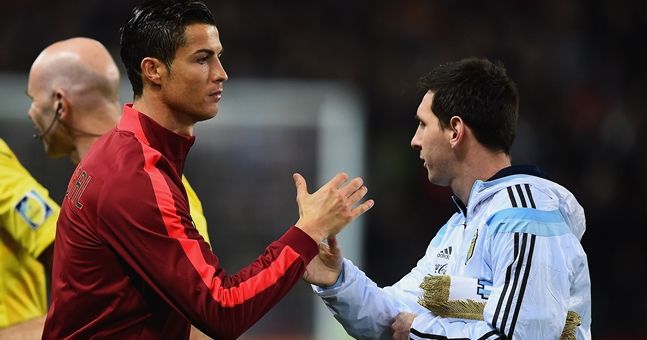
x=156, y=29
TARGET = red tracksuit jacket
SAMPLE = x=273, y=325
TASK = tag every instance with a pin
x=128, y=262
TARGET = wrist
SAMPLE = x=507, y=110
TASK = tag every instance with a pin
x=311, y=231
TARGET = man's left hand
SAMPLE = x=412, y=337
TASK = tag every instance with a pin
x=401, y=325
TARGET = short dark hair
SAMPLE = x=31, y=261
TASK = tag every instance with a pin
x=479, y=92
x=156, y=29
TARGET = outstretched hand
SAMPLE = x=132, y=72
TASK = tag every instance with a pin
x=324, y=269
x=401, y=325
x=328, y=210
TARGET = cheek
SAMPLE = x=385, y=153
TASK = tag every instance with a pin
x=32, y=113
x=35, y=117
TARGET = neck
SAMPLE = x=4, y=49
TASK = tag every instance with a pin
x=83, y=145
x=481, y=165
x=96, y=123
x=162, y=114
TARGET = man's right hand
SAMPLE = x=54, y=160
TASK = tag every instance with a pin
x=327, y=211
x=324, y=269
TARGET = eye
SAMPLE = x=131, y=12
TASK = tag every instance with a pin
x=203, y=60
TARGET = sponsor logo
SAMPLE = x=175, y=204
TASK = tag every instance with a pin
x=442, y=259
x=33, y=209
x=445, y=253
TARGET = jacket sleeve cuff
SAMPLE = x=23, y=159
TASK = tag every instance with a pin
x=303, y=244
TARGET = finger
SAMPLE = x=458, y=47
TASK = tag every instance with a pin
x=332, y=242
x=333, y=246
x=362, y=208
x=351, y=187
x=337, y=181
x=301, y=185
x=324, y=248
x=357, y=195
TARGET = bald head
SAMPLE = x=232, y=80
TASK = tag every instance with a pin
x=74, y=87
x=78, y=66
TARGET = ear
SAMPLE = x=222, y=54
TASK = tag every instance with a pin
x=458, y=131
x=152, y=70
x=61, y=104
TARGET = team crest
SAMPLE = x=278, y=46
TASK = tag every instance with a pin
x=33, y=209
x=470, y=251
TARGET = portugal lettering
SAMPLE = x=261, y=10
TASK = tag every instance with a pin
x=75, y=191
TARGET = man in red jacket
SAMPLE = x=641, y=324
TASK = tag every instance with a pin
x=128, y=261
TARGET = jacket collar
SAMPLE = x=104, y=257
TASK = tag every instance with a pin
x=171, y=145
x=531, y=170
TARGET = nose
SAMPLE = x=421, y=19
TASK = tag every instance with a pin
x=415, y=141
x=30, y=113
x=219, y=73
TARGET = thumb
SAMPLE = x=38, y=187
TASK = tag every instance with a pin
x=301, y=185
x=332, y=242
x=333, y=246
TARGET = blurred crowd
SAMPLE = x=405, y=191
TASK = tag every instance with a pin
x=580, y=69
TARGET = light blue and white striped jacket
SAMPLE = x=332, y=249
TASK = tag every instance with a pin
x=525, y=232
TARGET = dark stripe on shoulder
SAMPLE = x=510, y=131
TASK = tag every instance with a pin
x=523, y=284
x=521, y=196
x=532, y=201
x=512, y=200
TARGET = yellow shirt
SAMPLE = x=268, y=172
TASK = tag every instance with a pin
x=27, y=227
x=197, y=213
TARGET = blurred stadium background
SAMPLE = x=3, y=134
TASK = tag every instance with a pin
x=579, y=65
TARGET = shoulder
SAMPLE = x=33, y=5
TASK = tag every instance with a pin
x=525, y=205
x=5, y=151
x=522, y=192
x=7, y=158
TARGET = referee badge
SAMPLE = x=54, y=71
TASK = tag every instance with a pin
x=33, y=209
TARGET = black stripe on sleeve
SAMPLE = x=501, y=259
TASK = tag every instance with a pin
x=508, y=273
x=489, y=334
x=512, y=200
x=517, y=274
x=433, y=336
x=532, y=201
x=521, y=196
x=523, y=285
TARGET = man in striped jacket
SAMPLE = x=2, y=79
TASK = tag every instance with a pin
x=128, y=260
x=507, y=265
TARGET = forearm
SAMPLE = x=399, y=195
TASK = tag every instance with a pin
x=365, y=310
x=224, y=306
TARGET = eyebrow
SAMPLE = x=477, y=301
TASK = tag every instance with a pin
x=204, y=50
x=207, y=51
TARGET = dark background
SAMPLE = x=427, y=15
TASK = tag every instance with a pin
x=579, y=65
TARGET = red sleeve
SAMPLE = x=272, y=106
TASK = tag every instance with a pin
x=146, y=220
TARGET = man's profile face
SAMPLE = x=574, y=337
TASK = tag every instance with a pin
x=43, y=113
x=433, y=143
x=194, y=84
